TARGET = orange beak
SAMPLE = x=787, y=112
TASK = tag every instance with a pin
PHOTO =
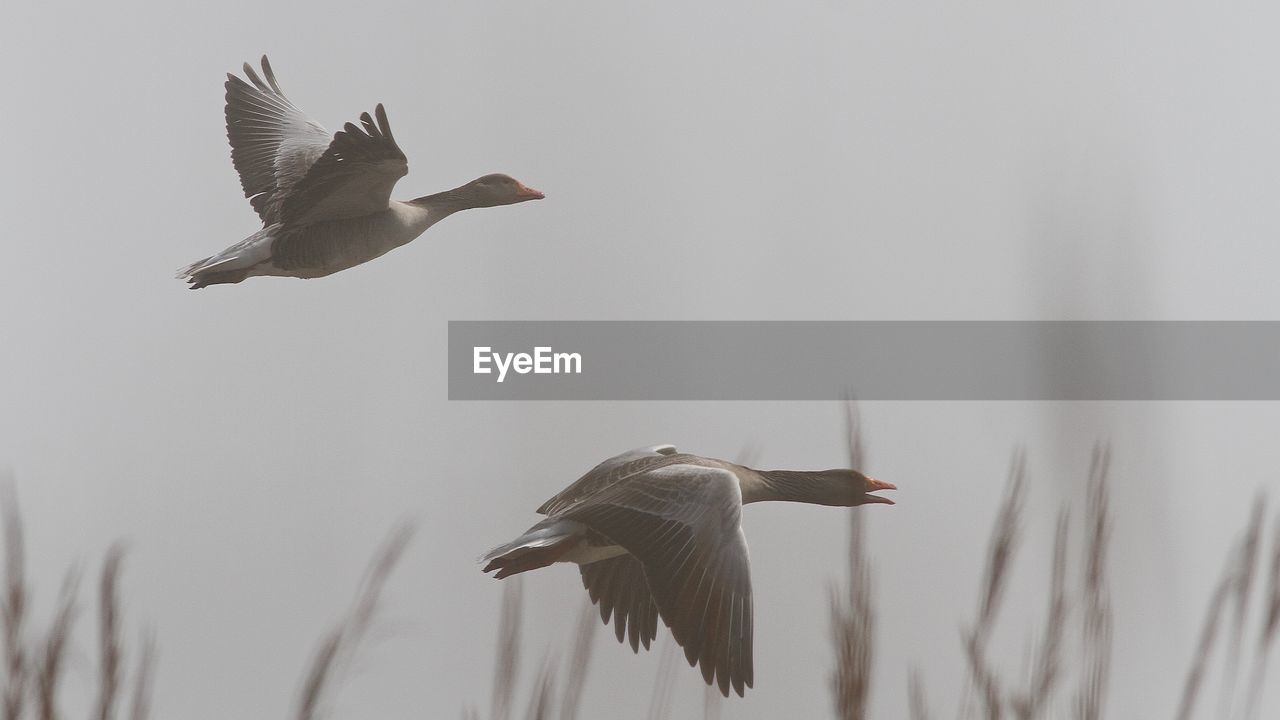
x=880, y=485
x=873, y=485
x=528, y=193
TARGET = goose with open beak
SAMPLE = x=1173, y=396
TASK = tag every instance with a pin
x=656, y=533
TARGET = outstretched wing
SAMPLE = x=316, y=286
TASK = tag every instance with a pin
x=607, y=473
x=618, y=586
x=353, y=177
x=273, y=143
x=681, y=522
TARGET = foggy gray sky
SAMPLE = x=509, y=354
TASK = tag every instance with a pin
x=801, y=160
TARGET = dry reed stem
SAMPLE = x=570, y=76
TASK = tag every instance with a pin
x=1271, y=621
x=49, y=665
x=542, y=701
x=1208, y=634
x=40, y=671
x=852, y=611
x=540, y=704
x=14, y=607
x=109, y=645
x=340, y=644
x=999, y=555
x=1097, y=617
x=579, y=662
x=318, y=677
x=1227, y=588
x=507, y=668
x=1270, y=625
x=854, y=445
x=1246, y=563
x=34, y=675
x=853, y=624
x=143, y=678
x=1035, y=702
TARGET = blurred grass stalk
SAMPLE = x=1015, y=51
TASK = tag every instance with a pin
x=339, y=645
x=852, y=611
x=1234, y=594
x=34, y=666
x=543, y=696
x=34, y=662
x=1045, y=669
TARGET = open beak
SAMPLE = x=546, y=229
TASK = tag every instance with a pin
x=524, y=192
x=873, y=485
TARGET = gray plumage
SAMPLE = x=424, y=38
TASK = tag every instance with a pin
x=657, y=532
x=324, y=201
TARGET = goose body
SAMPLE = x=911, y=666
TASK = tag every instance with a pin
x=325, y=201
x=657, y=533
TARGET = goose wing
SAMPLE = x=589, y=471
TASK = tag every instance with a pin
x=607, y=473
x=681, y=522
x=292, y=170
x=353, y=177
x=273, y=143
x=618, y=586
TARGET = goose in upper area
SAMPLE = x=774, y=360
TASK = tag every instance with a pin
x=656, y=533
x=325, y=201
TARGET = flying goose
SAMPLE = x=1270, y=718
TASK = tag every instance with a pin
x=656, y=532
x=325, y=201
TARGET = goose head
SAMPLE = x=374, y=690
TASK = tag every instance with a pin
x=497, y=189
x=848, y=488
x=840, y=487
x=867, y=486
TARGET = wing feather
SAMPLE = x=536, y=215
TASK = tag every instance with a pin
x=681, y=523
x=273, y=143
x=292, y=170
x=607, y=474
x=618, y=587
x=353, y=177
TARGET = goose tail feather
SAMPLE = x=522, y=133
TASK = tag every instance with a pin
x=542, y=545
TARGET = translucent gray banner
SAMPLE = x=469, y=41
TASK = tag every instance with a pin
x=713, y=360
